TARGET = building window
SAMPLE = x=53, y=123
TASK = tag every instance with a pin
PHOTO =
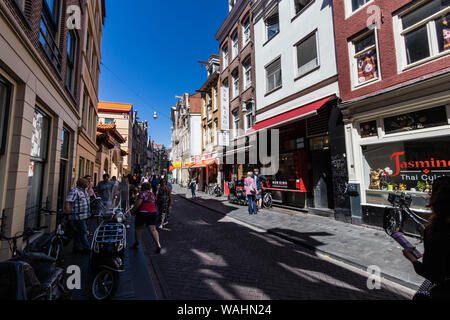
x=216, y=98
x=426, y=31
x=236, y=120
x=272, y=22
x=273, y=75
x=247, y=65
x=204, y=107
x=365, y=59
x=38, y=158
x=235, y=76
x=300, y=5
x=235, y=44
x=407, y=166
x=64, y=167
x=369, y=129
x=71, y=55
x=356, y=4
x=246, y=31
x=422, y=119
x=88, y=48
x=307, y=58
x=81, y=168
x=5, y=97
x=49, y=31
x=225, y=57
x=249, y=117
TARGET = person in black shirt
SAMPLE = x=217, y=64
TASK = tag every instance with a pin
x=435, y=267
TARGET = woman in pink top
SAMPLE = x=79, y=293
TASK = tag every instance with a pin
x=250, y=191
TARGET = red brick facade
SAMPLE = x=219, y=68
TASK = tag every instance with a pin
x=345, y=29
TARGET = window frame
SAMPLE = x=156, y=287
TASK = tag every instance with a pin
x=354, y=63
x=234, y=45
x=235, y=79
x=297, y=13
x=71, y=62
x=246, y=30
x=268, y=91
x=247, y=69
x=225, y=56
x=349, y=7
x=315, y=33
x=433, y=45
x=4, y=115
x=274, y=11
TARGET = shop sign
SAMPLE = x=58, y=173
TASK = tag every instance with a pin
x=198, y=158
x=225, y=108
x=177, y=164
x=224, y=138
x=427, y=167
x=186, y=162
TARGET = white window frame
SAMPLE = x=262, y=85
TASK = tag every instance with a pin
x=234, y=45
x=266, y=29
x=235, y=79
x=247, y=70
x=272, y=74
x=354, y=64
x=298, y=13
x=236, y=124
x=316, y=34
x=349, y=9
x=248, y=114
x=226, y=57
x=399, y=34
x=246, y=31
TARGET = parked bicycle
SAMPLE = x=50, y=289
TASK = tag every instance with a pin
x=215, y=191
x=29, y=275
x=394, y=218
x=267, y=199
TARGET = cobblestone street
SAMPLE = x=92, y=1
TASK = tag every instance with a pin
x=209, y=256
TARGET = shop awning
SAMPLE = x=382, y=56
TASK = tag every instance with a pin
x=203, y=164
x=302, y=112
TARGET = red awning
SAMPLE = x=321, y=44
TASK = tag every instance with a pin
x=303, y=112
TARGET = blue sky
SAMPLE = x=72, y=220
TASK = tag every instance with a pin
x=150, y=53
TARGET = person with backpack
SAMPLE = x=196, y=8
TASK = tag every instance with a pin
x=146, y=215
x=435, y=266
x=259, y=180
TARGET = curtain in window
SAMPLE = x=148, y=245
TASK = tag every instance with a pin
x=367, y=66
x=446, y=31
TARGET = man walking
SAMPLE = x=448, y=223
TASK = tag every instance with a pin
x=155, y=183
x=193, y=186
x=78, y=205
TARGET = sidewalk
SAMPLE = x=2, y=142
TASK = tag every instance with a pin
x=356, y=245
x=135, y=282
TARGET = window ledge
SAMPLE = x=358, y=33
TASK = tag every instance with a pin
x=367, y=83
x=307, y=73
x=273, y=90
x=245, y=45
x=425, y=61
x=250, y=86
x=234, y=98
x=268, y=40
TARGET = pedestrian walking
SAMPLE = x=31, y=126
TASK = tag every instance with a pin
x=435, y=267
x=78, y=206
x=250, y=192
x=193, y=186
x=164, y=201
x=259, y=180
x=115, y=192
x=146, y=215
x=155, y=183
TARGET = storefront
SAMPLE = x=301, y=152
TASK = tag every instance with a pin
x=399, y=148
x=311, y=143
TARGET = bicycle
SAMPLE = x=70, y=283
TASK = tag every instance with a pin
x=394, y=217
x=267, y=199
x=215, y=191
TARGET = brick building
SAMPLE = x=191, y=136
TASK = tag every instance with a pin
x=394, y=84
x=237, y=74
x=40, y=72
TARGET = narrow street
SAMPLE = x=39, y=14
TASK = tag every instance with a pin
x=209, y=256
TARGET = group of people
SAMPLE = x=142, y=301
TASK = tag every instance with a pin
x=253, y=185
x=150, y=202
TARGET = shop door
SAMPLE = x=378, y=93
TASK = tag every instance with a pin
x=321, y=180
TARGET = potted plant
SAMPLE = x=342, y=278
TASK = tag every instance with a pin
x=421, y=186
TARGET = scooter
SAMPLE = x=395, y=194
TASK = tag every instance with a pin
x=237, y=194
x=30, y=276
x=107, y=254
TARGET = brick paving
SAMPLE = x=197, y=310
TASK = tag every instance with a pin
x=357, y=245
x=209, y=256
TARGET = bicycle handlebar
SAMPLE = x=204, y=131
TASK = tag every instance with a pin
x=23, y=234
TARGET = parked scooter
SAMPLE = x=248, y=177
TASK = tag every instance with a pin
x=237, y=193
x=107, y=254
x=30, y=276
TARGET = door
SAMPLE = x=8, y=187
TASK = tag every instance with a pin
x=321, y=180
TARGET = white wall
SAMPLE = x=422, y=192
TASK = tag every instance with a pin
x=317, y=16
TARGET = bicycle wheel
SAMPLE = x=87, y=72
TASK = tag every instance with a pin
x=267, y=201
x=56, y=248
x=392, y=221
